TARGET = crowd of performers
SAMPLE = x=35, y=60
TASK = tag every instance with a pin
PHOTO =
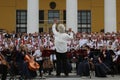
x=90, y=51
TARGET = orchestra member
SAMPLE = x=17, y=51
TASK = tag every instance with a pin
x=116, y=60
x=83, y=68
x=38, y=57
x=3, y=67
x=100, y=68
x=61, y=47
x=22, y=64
x=53, y=55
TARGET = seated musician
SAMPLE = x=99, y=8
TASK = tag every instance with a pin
x=22, y=65
x=47, y=63
x=106, y=58
x=116, y=60
x=83, y=66
x=3, y=67
x=53, y=55
x=100, y=68
x=38, y=57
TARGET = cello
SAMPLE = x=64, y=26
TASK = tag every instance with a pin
x=3, y=61
x=32, y=65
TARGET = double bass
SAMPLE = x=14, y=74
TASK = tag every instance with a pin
x=32, y=65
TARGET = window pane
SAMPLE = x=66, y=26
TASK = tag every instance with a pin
x=89, y=14
x=23, y=13
x=23, y=21
x=84, y=30
x=41, y=16
x=89, y=25
x=89, y=17
x=23, y=17
x=89, y=21
x=50, y=14
x=84, y=17
x=18, y=17
x=83, y=13
x=56, y=15
x=84, y=25
x=22, y=30
x=79, y=26
x=64, y=16
x=53, y=14
x=22, y=25
x=89, y=30
x=84, y=21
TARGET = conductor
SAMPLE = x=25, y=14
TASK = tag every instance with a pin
x=61, y=47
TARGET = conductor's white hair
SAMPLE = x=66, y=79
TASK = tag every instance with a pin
x=61, y=28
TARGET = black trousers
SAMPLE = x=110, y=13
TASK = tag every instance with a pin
x=3, y=71
x=61, y=65
x=41, y=66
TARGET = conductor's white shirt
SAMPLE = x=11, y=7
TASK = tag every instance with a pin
x=61, y=40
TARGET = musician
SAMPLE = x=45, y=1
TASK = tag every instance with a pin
x=3, y=67
x=116, y=60
x=22, y=65
x=83, y=68
x=83, y=41
x=100, y=67
x=53, y=55
x=106, y=58
x=38, y=57
x=61, y=47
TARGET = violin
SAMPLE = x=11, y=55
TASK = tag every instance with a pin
x=32, y=65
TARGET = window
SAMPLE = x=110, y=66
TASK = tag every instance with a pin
x=41, y=16
x=64, y=16
x=53, y=14
x=21, y=21
x=84, y=21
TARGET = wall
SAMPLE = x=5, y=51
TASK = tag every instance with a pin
x=118, y=15
x=7, y=15
x=97, y=9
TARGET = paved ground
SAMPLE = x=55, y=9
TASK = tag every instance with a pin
x=86, y=78
x=72, y=76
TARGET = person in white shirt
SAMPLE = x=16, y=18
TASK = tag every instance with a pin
x=83, y=41
x=117, y=54
x=38, y=57
x=61, y=47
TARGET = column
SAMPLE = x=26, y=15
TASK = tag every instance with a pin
x=32, y=16
x=110, y=15
x=71, y=14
